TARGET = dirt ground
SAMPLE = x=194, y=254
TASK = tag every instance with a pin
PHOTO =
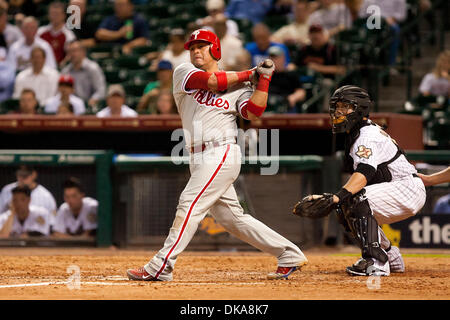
x=38, y=273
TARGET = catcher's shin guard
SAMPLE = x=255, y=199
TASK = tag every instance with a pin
x=364, y=227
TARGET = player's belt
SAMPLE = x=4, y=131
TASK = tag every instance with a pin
x=210, y=144
x=415, y=175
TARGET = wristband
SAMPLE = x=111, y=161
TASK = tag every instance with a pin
x=244, y=75
x=343, y=195
x=263, y=83
x=255, y=109
x=222, y=81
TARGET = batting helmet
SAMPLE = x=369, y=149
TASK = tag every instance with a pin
x=207, y=36
x=349, y=97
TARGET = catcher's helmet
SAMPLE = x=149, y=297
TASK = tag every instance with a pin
x=348, y=97
x=207, y=36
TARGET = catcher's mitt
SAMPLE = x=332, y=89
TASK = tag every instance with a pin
x=315, y=206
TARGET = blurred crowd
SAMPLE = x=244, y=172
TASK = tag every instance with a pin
x=51, y=63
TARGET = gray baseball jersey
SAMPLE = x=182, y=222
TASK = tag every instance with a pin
x=207, y=116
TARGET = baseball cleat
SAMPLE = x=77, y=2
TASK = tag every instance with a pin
x=368, y=267
x=396, y=263
x=283, y=272
x=140, y=274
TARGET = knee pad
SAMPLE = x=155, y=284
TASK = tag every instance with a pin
x=364, y=227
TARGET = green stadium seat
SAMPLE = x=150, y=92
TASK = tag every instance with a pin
x=132, y=101
x=144, y=50
x=133, y=89
x=133, y=62
x=158, y=10
x=116, y=75
x=141, y=76
x=9, y=105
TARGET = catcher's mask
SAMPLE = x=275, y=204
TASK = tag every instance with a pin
x=206, y=36
x=349, y=105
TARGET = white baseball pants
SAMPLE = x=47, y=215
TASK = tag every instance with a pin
x=210, y=188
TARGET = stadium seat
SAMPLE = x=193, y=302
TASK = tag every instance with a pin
x=141, y=76
x=9, y=105
x=116, y=75
x=133, y=89
x=133, y=62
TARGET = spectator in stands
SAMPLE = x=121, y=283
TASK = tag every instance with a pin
x=334, y=17
x=19, y=53
x=124, y=27
x=230, y=45
x=9, y=32
x=243, y=60
x=40, y=196
x=295, y=33
x=23, y=219
x=89, y=79
x=259, y=48
x=28, y=104
x=152, y=90
x=56, y=32
x=354, y=8
x=24, y=7
x=165, y=103
x=175, y=52
x=437, y=82
x=77, y=216
x=7, y=71
x=65, y=96
x=39, y=77
x=320, y=55
x=253, y=10
x=65, y=110
x=115, y=101
x=86, y=33
x=214, y=8
x=285, y=84
x=394, y=12
x=282, y=8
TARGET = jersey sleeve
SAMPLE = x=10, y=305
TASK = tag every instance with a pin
x=59, y=225
x=3, y=218
x=366, y=157
x=243, y=99
x=90, y=219
x=181, y=76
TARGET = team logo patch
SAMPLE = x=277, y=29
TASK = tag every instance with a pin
x=92, y=217
x=40, y=221
x=364, y=152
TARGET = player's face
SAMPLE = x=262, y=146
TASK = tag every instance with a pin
x=74, y=198
x=21, y=202
x=341, y=112
x=200, y=55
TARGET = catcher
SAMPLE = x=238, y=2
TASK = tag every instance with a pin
x=383, y=188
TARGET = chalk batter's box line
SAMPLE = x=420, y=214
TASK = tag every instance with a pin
x=123, y=283
x=408, y=255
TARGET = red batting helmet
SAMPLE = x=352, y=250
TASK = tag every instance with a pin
x=207, y=36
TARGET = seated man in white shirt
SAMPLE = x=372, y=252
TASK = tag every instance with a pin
x=115, y=100
x=22, y=219
x=40, y=196
x=66, y=96
x=77, y=216
x=42, y=79
x=19, y=53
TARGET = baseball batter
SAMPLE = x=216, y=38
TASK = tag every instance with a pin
x=383, y=188
x=208, y=101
